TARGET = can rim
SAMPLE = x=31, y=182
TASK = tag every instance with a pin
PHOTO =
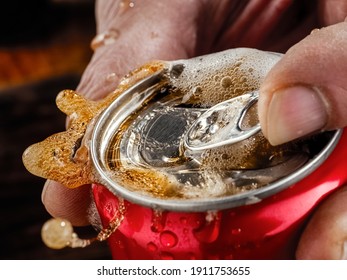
x=191, y=205
x=127, y=102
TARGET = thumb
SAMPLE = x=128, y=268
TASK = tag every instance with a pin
x=306, y=91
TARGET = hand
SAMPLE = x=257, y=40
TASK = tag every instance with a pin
x=175, y=29
x=307, y=92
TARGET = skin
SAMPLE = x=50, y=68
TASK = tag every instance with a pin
x=182, y=29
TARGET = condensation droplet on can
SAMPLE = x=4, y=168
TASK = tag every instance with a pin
x=168, y=239
x=209, y=231
x=183, y=220
x=152, y=247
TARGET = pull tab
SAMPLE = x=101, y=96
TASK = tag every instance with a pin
x=222, y=124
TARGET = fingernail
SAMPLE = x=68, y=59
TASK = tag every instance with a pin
x=294, y=112
x=344, y=251
x=44, y=190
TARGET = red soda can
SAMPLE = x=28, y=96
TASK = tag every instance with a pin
x=193, y=181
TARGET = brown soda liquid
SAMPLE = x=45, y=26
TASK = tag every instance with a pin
x=64, y=157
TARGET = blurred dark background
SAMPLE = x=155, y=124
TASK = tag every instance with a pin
x=44, y=47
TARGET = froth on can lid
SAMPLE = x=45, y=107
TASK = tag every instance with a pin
x=136, y=144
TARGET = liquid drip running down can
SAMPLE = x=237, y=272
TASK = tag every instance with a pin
x=156, y=152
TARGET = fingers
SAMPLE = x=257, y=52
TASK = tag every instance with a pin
x=149, y=30
x=144, y=32
x=306, y=91
x=325, y=237
x=70, y=204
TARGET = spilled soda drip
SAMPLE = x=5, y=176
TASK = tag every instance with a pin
x=58, y=233
x=64, y=157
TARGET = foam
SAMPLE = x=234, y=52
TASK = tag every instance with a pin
x=208, y=80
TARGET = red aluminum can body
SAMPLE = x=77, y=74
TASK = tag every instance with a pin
x=268, y=229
